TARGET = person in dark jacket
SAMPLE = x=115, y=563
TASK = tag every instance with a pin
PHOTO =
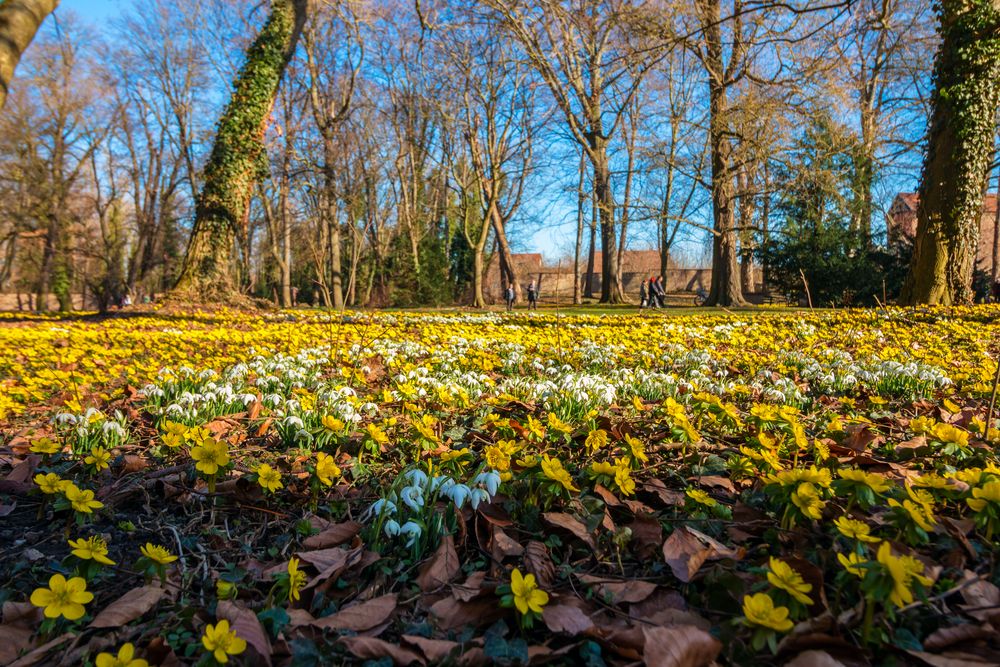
x=643, y=294
x=508, y=296
x=661, y=294
x=532, y=296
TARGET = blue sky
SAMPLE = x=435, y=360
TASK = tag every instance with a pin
x=93, y=9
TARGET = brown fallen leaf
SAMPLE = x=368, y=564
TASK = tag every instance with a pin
x=503, y=545
x=950, y=660
x=128, y=607
x=982, y=598
x=716, y=481
x=371, y=648
x=571, y=524
x=360, y=617
x=434, y=650
x=451, y=613
x=441, y=568
x=566, y=619
x=13, y=641
x=633, y=590
x=333, y=535
x=538, y=562
x=245, y=624
x=679, y=646
x=470, y=588
x=814, y=658
x=687, y=549
x=942, y=638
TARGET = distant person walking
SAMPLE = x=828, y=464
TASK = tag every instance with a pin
x=660, y=295
x=508, y=296
x=532, y=296
x=643, y=294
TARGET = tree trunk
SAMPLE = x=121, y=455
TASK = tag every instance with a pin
x=588, y=284
x=960, y=145
x=19, y=21
x=726, y=289
x=235, y=163
x=995, y=269
x=581, y=199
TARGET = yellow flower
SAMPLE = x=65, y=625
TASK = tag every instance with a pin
x=637, y=449
x=157, y=554
x=920, y=514
x=497, y=458
x=902, y=569
x=602, y=468
x=125, y=658
x=558, y=425
x=930, y=480
x=855, y=530
x=211, y=455
x=81, y=500
x=623, y=478
x=759, y=610
x=782, y=575
x=596, y=440
x=527, y=595
x=874, y=481
x=332, y=424
x=807, y=499
x=92, y=548
x=197, y=434
x=222, y=642
x=99, y=458
x=552, y=468
x=950, y=406
x=225, y=590
x=851, y=563
x=989, y=493
x=453, y=454
x=377, y=435
x=535, y=428
x=702, y=497
x=63, y=598
x=268, y=478
x=45, y=446
x=794, y=476
x=326, y=469
x=921, y=425
x=296, y=579
x=172, y=440
x=951, y=434
x=50, y=483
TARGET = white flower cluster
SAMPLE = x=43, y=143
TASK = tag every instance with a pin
x=402, y=513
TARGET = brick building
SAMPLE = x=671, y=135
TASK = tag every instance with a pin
x=901, y=225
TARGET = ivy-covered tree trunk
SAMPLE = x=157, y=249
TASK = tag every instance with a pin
x=960, y=145
x=19, y=21
x=235, y=164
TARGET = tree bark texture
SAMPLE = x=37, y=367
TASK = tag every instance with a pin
x=959, y=149
x=235, y=164
x=19, y=21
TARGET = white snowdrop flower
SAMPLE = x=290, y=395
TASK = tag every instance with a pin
x=303, y=435
x=490, y=480
x=391, y=528
x=413, y=496
x=64, y=418
x=458, y=493
x=416, y=477
x=411, y=529
x=293, y=421
x=441, y=483
x=479, y=496
x=382, y=506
